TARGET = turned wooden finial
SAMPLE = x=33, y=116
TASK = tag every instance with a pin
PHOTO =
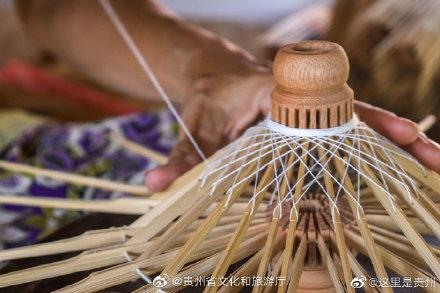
x=311, y=86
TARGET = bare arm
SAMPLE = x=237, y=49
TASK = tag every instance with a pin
x=185, y=58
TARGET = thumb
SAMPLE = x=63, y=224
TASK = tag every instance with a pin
x=183, y=157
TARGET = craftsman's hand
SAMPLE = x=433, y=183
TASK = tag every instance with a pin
x=217, y=112
x=402, y=132
x=218, y=115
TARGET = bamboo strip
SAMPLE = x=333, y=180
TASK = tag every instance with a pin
x=287, y=254
x=331, y=268
x=298, y=264
x=250, y=267
x=401, y=220
x=274, y=272
x=163, y=241
x=139, y=149
x=403, y=249
x=248, y=215
x=385, y=221
x=362, y=223
x=342, y=247
x=398, y=237
x=246, y=249
x=176, y=264
x=75, y=179
x=427, y=123
x=229, y=253
x=393, y=262
x=125, y=206
x=357, y=269
x=423, y=214
x=89, y=240
x=267, y=252
x=121, y=274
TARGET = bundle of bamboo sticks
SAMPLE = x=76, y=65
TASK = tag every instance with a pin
x=394, y=52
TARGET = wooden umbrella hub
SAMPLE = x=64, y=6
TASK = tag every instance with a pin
x=311, y=86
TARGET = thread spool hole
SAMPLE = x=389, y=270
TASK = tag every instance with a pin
x=310, y=48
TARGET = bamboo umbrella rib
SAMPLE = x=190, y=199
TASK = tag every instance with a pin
x=426, y=176
x=267, y=252
x=342, y=247
x=426, y=123
x=247, y=217
x=174, y=266
x=362, y=223
x=247, y=248
x=75, y=179
x=298, y=264
x=229, y=253
x=178, y=197
x=385, y=221
x=182, y=223
x=121, y=274
x=157, y=218
x=393, y=262
x=126, y=206
x=287, y=254
x=111, y=255
x=357, y=269
x=331, y=268
x=275, y=265
x=422, y=213
x=90, y=240
x=398, y=237
x=139, y=149
x=251, y=265
x=400, y=219
x=403, y=249
x=92, y=259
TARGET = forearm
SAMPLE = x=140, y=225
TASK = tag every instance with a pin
x=183, y=56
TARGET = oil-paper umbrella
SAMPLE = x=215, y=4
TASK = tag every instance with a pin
x=287, y=207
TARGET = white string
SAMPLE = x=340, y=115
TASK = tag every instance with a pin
x=305, y=132
x=127, y=256
x=147, y=279
x=143, y=276
x=339, y=145
x=120, y=27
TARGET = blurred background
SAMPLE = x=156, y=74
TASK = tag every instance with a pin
x=392, y=47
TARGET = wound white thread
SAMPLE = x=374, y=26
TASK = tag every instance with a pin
x=344, y=144
x=120, y=27
x=303, y=132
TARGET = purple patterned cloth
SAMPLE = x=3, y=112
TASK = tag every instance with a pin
x=82, y=149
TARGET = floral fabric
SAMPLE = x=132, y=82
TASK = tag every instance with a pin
x=81, y=149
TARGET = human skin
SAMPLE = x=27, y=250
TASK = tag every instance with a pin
x=221, y=90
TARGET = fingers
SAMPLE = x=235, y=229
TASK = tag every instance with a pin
x=183, y=158
x=426, y=151
x=158, y=179
x=400, y=130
